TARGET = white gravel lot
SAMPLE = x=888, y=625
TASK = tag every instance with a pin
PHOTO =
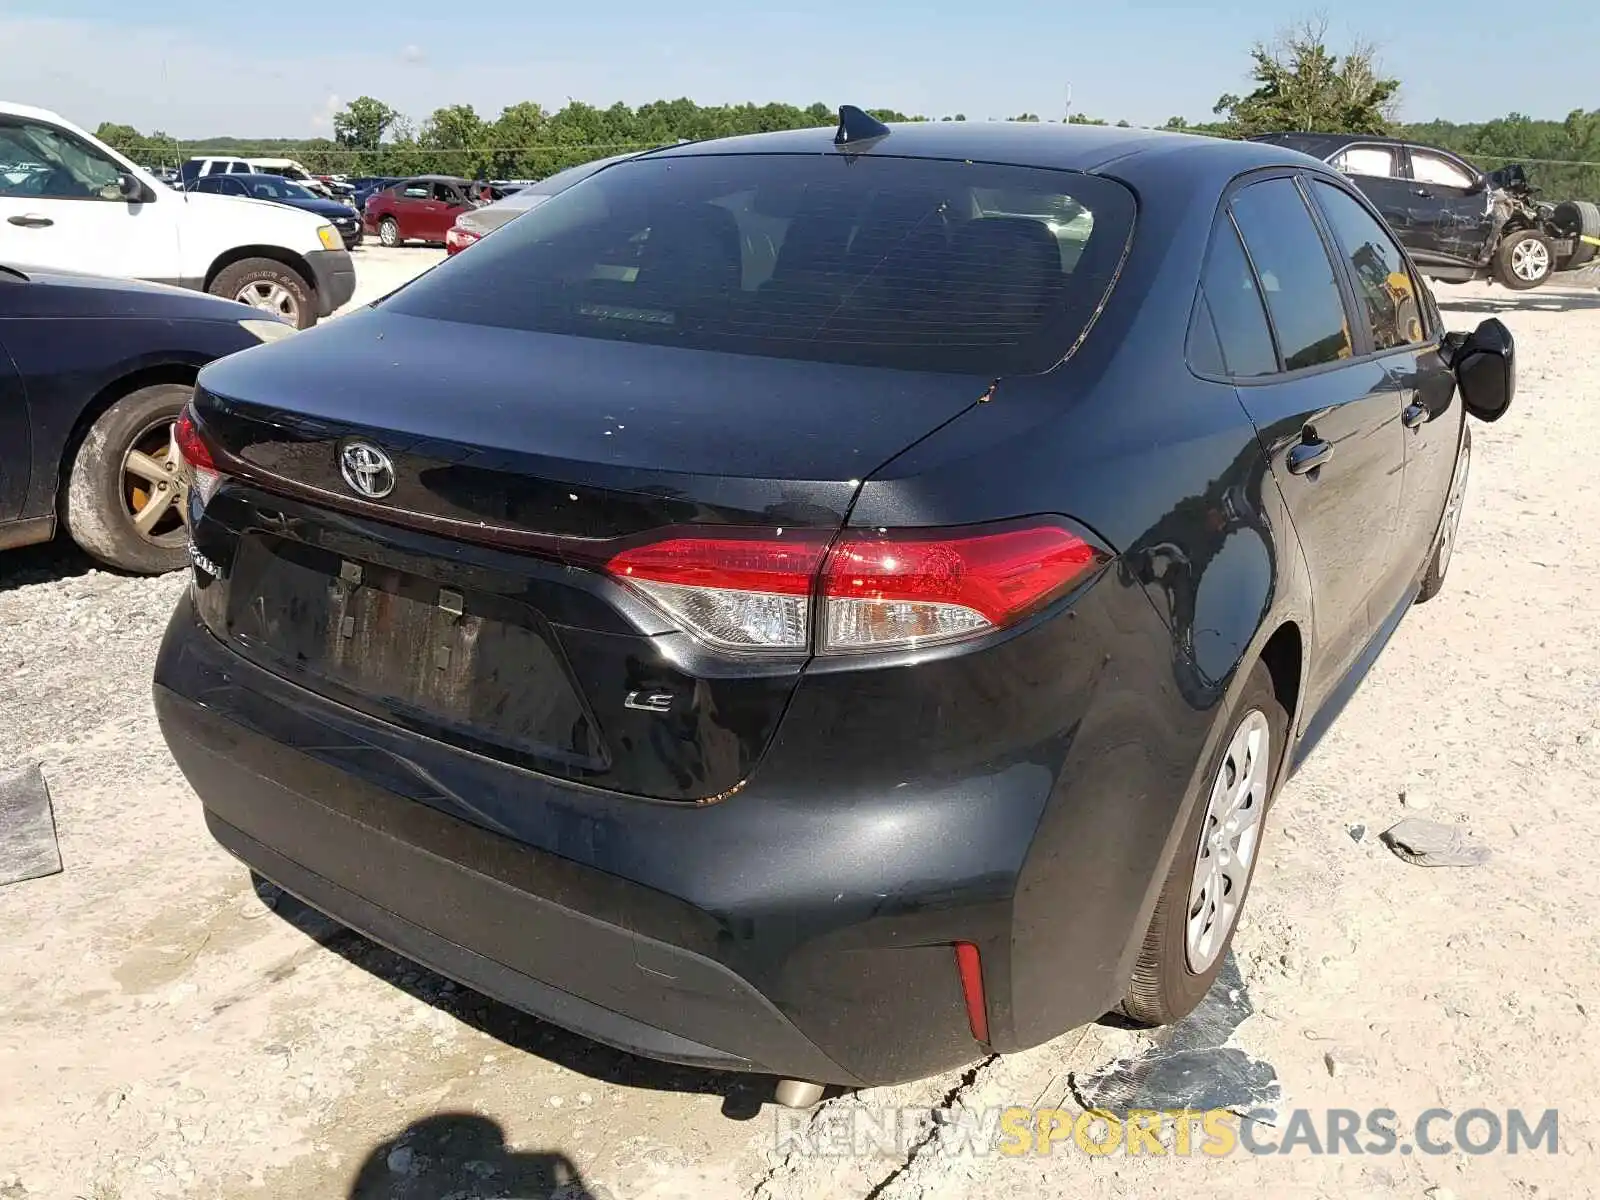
x=168, y=1031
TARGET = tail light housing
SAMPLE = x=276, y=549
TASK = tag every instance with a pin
x=457, y=239
x=789, y=592
x=198, y=465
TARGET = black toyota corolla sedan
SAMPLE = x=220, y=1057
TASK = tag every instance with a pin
x=833, y=605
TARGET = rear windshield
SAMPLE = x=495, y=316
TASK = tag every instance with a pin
x=876, y=261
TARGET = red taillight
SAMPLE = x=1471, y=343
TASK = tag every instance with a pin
x=750, y=591
x=198, y=463
x=970, y=968
x=893, y=589
x=457, y=239
x=916, y=587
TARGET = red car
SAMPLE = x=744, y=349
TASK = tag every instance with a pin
x=421, y=209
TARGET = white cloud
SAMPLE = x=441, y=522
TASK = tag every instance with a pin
x=322, y=119
x=413, y=54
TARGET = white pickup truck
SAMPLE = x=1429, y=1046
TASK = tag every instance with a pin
x=68, y=202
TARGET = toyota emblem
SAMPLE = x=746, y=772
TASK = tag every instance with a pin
x=367, y=470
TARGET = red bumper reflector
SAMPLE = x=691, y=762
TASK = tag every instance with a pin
x=970, y=968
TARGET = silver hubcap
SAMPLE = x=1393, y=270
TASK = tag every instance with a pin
x=1229, y=838
x=1530, y=260
x=1452, y=509
x=390, y=233
x=272, y=296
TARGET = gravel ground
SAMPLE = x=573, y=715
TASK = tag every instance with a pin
x=172, y=1031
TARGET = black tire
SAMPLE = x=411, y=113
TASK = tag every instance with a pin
x=389, y=232
x=102, y=494
x=1450, y=524
x=267, y=283
x=1518, y=249
x=1578, y=218
x=1164, y=988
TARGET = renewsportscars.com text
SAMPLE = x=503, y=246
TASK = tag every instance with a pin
x=861, y=1132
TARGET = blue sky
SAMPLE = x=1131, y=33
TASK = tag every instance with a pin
x=280, y=67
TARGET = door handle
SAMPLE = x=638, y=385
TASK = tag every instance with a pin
x=1308, y=456
x=31, y=221
x=1414, y=416
x=1423, y=192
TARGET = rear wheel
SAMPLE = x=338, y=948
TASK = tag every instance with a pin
x=271, y=286
x=1523, y=260
x=1578, y=219
x=125, y=500
x=389, y=231
x=1200, y=902
x=1439, y=564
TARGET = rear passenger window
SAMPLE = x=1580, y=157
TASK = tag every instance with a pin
x=1379, y=162
x=1302, y=291
x=1384, y=285
x=1233, y=303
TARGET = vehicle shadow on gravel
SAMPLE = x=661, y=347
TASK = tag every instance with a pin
x=463, y=1156
x=1535, y=301
x=742, y=1095
x=52, y=562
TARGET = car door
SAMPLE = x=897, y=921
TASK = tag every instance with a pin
x=1405, y=334
x=1379, y=171
x=1327, y=415
x=16, y=456
x=446, y=203
x=61, y=207
x=411, y=208
x=1451, y=206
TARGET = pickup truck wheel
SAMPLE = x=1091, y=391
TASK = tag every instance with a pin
x=269, y=285
x=389, y=231
x=1523, y=260
x=1205, y=890
x=1579, y=219
x=125, y=499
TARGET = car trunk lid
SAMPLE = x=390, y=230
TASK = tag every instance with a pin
x=468, y=597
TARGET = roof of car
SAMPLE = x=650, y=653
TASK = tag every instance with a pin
x=1017, y=143
x=432, y=179
x=1330, y=139
x=9, y=109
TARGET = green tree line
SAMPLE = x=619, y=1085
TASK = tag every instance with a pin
x=1299, y=84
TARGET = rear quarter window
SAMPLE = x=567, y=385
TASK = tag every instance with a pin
x=1230, y=335
x=1296, y=275
x=877, y=261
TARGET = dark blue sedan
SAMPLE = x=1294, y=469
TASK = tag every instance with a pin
x=278, y=190
x=93, y=374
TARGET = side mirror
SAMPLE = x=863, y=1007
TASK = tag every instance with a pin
x=1485, y=363
x=132, y=189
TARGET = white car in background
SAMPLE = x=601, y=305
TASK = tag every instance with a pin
x=68, y=202
x=474, y=224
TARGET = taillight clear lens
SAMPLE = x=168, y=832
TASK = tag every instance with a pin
x=754, y=590
x=749, y=592
x=204, y=477
x=901, y=588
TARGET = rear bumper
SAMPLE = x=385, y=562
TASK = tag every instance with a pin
x=803, y=926
x=345, y=813
x=483, y=923
x=335, y=277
